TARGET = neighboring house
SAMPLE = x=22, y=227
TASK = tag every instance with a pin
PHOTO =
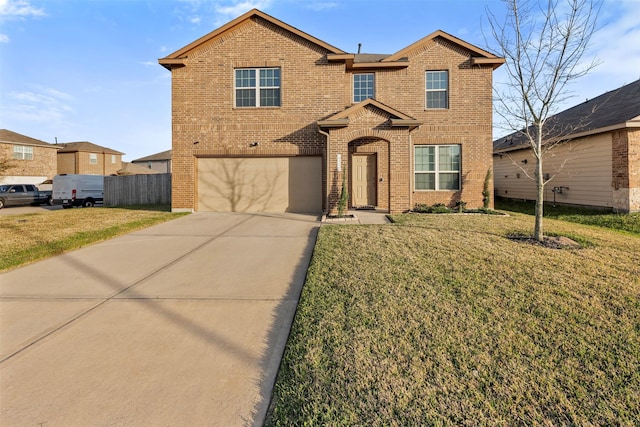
x=268, y=118
x=158, y=163
x=597, y=164
x=32, y=161
x=130, y=168
x=88, y=158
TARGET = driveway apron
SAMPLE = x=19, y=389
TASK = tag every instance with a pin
x=183, y=323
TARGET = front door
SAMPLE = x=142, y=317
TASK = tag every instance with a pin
x=363, y=179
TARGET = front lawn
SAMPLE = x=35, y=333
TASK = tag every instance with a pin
x=598, y=217
x=442, y=320
x=31, y=237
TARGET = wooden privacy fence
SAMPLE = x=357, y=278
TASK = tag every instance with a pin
x=152, y=189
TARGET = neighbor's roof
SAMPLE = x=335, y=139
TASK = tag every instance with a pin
x=10, y=137
x=613, y=110
x=165, y=155
x=86, y=147
x=129, y=168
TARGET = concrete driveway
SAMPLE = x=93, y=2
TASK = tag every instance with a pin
x=183, y=323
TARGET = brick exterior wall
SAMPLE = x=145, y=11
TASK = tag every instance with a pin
x=625, y=181
x=205, y=122
x=633, y=136
x=43, y=163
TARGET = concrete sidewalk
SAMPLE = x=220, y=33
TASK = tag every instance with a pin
x=183, y=323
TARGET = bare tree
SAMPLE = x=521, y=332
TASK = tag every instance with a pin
x=543, y=42
x=6, y=164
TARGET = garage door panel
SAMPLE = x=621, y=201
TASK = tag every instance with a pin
x=275, y=184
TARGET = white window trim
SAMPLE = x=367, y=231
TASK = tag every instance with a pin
x=426, y=91
x=93, y=158
x=256, y=88
x=353, y=86
x=437, y=170
x=22, y=152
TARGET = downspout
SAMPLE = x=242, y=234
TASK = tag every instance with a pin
x=326, y=193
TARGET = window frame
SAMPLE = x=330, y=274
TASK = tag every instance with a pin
x=258, y=88
x=23, y=152
x=444, y=90
x=373, y=87
x=93, y=158
x=437, y=172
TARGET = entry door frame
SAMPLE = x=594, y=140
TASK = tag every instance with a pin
x=368, y=174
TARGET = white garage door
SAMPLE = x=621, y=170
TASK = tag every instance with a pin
x=269, y=184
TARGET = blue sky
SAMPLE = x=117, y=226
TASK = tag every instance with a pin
x=87, y=70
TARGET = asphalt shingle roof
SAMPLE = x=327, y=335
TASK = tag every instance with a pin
x=165, y=155
x=614, y=108
x=87, y=147
x=11, y=137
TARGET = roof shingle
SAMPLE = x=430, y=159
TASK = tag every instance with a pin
x=612, y=109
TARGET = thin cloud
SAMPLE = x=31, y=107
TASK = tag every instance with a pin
x=19, y=9
x=4, y=38
x=41, y=106
x=320, y=6
x=625, y=30
x=237, y=8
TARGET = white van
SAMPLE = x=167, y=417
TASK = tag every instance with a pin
x=77, y=190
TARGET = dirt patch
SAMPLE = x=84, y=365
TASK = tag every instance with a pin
x=551, y=242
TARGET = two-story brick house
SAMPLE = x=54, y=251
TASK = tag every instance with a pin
x=32, y=161
x=88, y=158
x=269, y=118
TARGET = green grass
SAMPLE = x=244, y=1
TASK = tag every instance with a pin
x=31, y=237
x=599, y=217
x=442, y=320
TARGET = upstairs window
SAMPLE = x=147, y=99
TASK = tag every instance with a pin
x=257, y=87
x=363, y=86
x=22, y=152
x=437, y=167
x=93, y=158
x=437, y=89
x=113, y=158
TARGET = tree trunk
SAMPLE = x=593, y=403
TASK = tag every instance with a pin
x=538, y=232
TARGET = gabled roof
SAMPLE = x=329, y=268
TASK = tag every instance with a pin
x=612, y=110
x=85, y=147
x=479, y=56
x=165, y=155
x=400, y=58
x=10, y=137
x=177, y=57
x=129, y=168
x=397, y=118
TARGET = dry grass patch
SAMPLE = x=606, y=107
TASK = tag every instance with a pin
x=442, y=320
x=30, y=237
